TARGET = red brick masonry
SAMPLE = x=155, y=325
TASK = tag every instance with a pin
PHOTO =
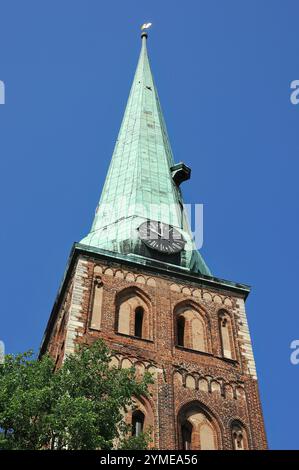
x=224, y=389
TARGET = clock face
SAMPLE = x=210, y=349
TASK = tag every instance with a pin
x=161, y=237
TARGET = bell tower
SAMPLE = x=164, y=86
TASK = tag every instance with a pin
x=137, y=281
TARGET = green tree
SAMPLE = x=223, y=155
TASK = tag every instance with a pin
x=80, y=406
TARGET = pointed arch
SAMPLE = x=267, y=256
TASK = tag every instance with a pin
x=141, y=416
x=239, y=435
x=133, y=313
x=198, y=429
x=226, y=334
x=192, y=329
x=96, y=303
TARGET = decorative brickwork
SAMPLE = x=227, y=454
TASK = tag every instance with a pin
x=201, y=398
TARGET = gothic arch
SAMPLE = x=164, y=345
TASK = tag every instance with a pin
x=127, y=292
x=226, y=333
x=134, y=313
x=198, y=428
x=239, y=435
x=192, y=326
x=146, y=410
x=96, y=299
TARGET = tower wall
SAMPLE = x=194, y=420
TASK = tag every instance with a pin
x=215, y=392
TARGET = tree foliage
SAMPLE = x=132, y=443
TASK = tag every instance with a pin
x=79, y=406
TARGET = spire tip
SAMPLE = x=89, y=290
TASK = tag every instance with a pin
x=144, y=29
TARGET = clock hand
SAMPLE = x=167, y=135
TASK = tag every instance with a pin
x=155, y=231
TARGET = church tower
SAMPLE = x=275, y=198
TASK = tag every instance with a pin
x=137, y=281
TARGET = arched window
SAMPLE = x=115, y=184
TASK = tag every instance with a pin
x=181, y=330
x=96, y=305
x=226, y=335
x=197, y=429
x=140, y=418
x=137, y=422
x=239, y=436
x=133, y=316
x=138, y=322
x=191, y=330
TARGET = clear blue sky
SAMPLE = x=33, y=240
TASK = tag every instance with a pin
x=223, y=70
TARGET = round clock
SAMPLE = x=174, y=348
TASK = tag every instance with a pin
x=161, y=237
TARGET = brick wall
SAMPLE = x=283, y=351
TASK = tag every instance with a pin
x=225, y=388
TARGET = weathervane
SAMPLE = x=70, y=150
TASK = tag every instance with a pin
x=144, y=29
x=146, y=26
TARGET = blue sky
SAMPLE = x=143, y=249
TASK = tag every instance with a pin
x=223, y=71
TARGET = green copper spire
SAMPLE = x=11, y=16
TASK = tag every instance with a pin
x=141, y=182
